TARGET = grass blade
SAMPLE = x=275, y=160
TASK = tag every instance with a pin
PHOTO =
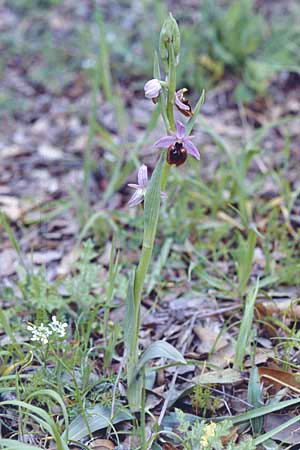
x=245, y=329
x=254, y=398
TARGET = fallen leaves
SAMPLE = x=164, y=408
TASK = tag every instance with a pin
x=11, y=207
x=210, y=338
x=8, y=262
x=101, y=444
x=227, y=376
x=278, y=378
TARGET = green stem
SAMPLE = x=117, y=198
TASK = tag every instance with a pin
x=165, y=175
x=172, y=88
x=143, y=412
x=142, y=269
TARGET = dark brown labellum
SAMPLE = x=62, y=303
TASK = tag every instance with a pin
x=176, y=154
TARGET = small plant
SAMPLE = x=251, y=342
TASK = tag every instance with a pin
x=202, y=401
x=175, y=146
x=211, y=436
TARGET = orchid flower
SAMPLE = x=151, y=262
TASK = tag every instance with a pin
x=182, y=104
x=178, y=145
x=141, y=187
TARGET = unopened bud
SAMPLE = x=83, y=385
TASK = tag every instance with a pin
x=152, y=89
x=169, y=35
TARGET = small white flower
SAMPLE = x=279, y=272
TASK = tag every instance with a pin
x=58, y=327
x=41, y=333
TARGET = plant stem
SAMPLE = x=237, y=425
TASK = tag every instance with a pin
x=142, y=269
x=172, y=87
x=135, y=395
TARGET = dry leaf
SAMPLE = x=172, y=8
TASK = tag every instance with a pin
x=11, y=206
x=49, y=152
x=208, y=336
x=261, y=313
x=101, y=444
x=46, y=257
x=261, y=357
x=67, y=263
x=8, y=262
x=227, y=376
x=286, y=307
x=232, y=436
x=168, y=446
x=223, y=357
x=278, y=378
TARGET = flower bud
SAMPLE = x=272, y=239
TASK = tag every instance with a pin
x=152, y=89
x=169, y=35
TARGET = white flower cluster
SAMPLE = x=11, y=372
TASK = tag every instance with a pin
x=42, y=332
x=58, y=327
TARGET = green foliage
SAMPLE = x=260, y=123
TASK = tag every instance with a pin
x=80, y=288
x=244, y=257
x=245, y=327
x=238, y=38
x=38, y=292
x=81, y=285
x=209, y=435
x=31, y=5
x=255, y=399
x=200, y=398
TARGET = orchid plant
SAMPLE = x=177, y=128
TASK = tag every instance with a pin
x=175, y=147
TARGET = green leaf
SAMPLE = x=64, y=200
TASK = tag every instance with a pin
x=56, y=397
x=5, y=224
x=129, y=320
x=255, y=399
x=131, y=331
x=245, y=255
x=276, y=430
x=160, y=349
x=171, y=421
x=192, y=120
x=9, y=332
x=42, y=418
x=10, y=444
x=103, y=65
x=246, y=326
x=98, y=418
x=156, y=68
x=155, y=274
x=152, y=204
x=262, y=411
